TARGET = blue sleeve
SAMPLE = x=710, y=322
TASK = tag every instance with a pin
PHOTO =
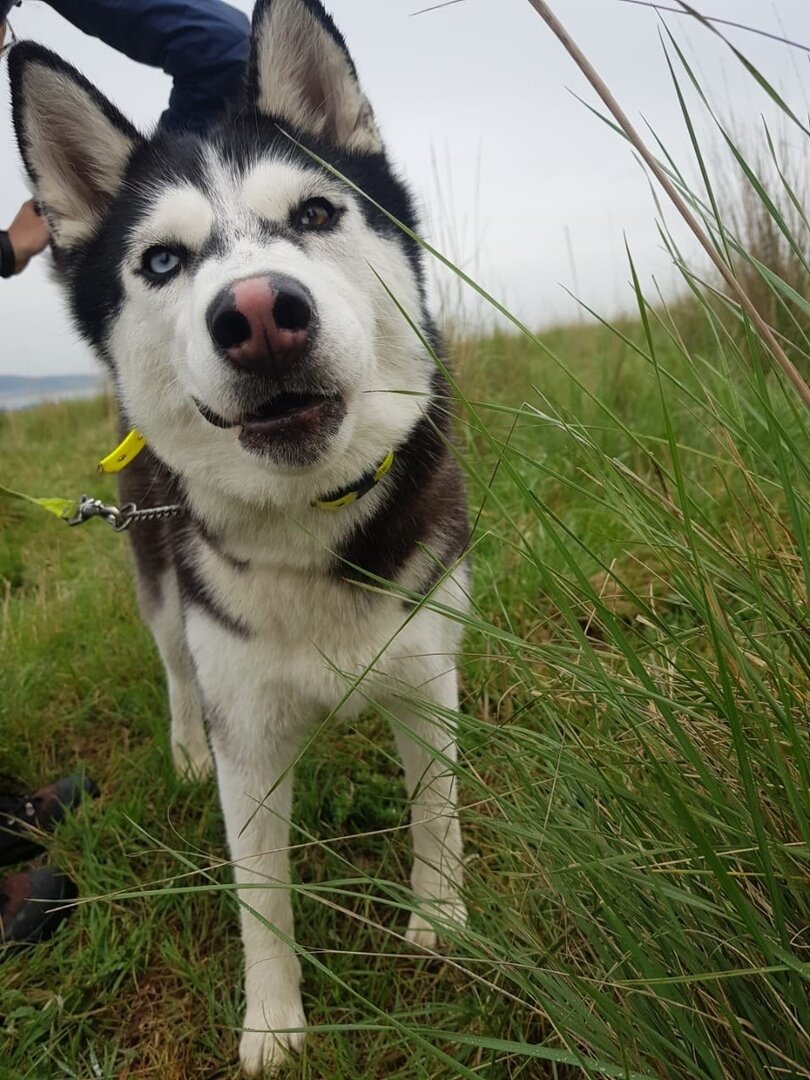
x=201, y=44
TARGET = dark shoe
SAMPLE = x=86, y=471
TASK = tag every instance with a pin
x=22, y=816
x=32, y=905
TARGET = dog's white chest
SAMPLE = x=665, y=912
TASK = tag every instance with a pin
x=305, y=638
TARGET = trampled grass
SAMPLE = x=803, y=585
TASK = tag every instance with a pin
x=634, y=773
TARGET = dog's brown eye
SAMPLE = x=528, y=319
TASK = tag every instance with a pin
x=315, y=214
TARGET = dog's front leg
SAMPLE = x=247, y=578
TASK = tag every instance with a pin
x=256, y=802
x=427, y=746
x=164, y=616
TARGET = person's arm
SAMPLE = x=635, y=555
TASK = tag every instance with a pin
x=201, y=44
x=27, y=235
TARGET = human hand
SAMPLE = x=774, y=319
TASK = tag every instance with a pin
x=28, y=234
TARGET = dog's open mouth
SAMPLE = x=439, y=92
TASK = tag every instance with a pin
x=286, y=418
x=283, y=410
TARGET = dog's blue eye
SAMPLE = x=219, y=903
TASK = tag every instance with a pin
x=161, y=262
x=164, y=262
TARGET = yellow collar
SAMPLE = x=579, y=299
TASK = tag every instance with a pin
x=126, y=452
x=132, y=444
x=336, y=500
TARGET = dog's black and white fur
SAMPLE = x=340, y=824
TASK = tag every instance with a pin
x=255, y=595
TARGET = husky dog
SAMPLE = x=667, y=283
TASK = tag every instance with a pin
x=248, y=302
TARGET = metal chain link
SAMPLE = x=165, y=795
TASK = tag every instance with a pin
x=120, y=519
x=131, y=513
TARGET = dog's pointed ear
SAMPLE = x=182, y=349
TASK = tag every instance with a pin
x=301, y=73
x=75, y=144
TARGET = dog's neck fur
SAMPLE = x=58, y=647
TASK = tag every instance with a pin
x=304, y=533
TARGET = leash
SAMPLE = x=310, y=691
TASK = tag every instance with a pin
x=120, y=520
x=78, y=511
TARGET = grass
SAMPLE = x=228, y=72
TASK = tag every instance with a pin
x=635, y=764
x=634, y=773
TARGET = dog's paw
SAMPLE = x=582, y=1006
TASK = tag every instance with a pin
x=265, y=1044
x=192, y=763
x=425, y=925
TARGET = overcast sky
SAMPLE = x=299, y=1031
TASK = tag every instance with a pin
x=535, y=194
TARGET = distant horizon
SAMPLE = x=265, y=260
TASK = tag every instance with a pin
x=18, y=392
x=12, y=378
x=23, y=391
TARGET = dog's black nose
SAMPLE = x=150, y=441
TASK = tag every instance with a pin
x=262, y=322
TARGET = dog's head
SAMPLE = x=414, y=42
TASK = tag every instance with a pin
x=244, y=295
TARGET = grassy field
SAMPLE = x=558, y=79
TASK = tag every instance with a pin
x=634, y=773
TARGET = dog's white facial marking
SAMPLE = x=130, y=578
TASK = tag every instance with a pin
x=181, y=215
x=272, y=190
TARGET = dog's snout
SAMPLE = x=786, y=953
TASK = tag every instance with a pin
x=262, y=322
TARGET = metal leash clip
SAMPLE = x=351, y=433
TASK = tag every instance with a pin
x=120, y=519
x=94, y=508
